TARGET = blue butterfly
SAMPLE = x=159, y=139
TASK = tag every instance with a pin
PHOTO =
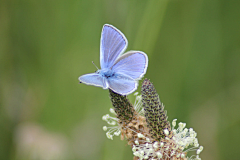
x=118, y=72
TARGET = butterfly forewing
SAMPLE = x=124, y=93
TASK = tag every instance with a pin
x=133, y=64
x=113, y=43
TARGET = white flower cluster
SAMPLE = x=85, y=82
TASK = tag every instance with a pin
x=154, y=151
x=113, y=121
x=148, y=149
x=182, y=138
x=185, y=137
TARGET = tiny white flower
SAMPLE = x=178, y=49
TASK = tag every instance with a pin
x=145, y=157
x=167, y=138
x=174, y=131
x=155, y=145
x=104, y=118
x=151, y=150
x=109, y=136
x=174, y=123
x=112, y=111
x=136, y=142
x=200, y=150
x=181, y=126
x=182, y=155
x=166, y=132
x=134, y=149
x=178, y=155
x=140, y=135
x=167, y=148
x=147, y=139
x=117, y=133
x=136, y=154
x=107, y=116
x=161, y=144
x=105, y=128
x=159, y=154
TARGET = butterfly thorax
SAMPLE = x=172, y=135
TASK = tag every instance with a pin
x=106, y=72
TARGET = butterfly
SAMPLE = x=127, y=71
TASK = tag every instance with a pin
x=118, y=72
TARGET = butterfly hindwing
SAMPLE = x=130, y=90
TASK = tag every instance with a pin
x=113, y=44
x=122, y=85
x=93, y=79
x=133, y=64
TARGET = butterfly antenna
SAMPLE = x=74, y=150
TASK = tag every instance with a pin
x=94, y=65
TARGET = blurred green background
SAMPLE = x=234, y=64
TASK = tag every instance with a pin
x=194, y=63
